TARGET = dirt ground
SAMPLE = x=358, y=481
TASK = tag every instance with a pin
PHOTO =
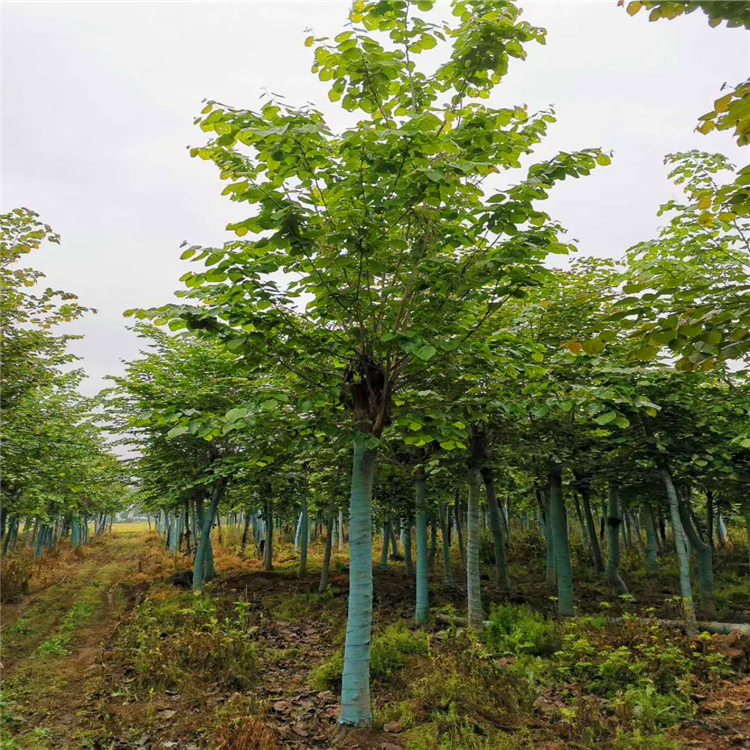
x=63, y=689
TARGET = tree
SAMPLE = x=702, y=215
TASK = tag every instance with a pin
x=689, y=290
x=396, y=248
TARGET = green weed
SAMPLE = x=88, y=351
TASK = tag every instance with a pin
x=648, y=710
x=520, y=630
x=635, y=654
x=389, y=653
x=638, y=741
x=76, y=616
x=53, y=647
x=183, y=640
x=20, y=627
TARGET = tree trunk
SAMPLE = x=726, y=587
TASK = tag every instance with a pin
x=501, y=564
x=297, y=531
x=203, y=569
x=559, y=531
x=721, y=530
x=706, y=602
x=473, y=580
x=383, y=565
x=447, y=568
x=9, y=536
x=579, y=516
x=625, y=526
x=408, y=562
x=341, y=531
x=394, y=539
x=433, y=542
x=710, y=517
x=612, y=573
x=304, y=537
x=422, y=610
x=268, y=547
x=327, y=554
x=460, y=533
x=651, y=544
x=596, y=550
x=551, y=558
x=245, y=533
x=355, y=686
x=682, y=554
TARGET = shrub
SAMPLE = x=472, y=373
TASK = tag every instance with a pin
x=53, y=647
x=635, y=654
x=648, y=710
x=389, y=653
x=167, y=644
x=76, y=616
x=517, y=630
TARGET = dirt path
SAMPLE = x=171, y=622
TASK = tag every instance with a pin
x=52, y=644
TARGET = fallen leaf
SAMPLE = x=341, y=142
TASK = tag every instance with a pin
x=300, y=730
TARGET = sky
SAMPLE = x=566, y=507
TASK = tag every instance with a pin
x=98, y=101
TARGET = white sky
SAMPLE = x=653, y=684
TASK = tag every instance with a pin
x=98, y=101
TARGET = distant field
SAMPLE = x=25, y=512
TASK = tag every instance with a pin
x=130, y=527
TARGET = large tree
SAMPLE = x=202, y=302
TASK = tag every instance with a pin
x=379, y=249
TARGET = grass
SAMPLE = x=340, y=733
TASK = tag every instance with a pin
x=389, y=654
x=132, y=527
x=178, y=640
x=584, y=684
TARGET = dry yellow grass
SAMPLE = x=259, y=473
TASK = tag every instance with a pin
x=131, y=527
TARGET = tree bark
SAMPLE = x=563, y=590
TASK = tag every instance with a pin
x=203, y=569
x=681, y=548
x=355, y=688
x=304, y=537
x=651, y=543
x=473, y=580
x=501, y=563
x=245, y=532
x=327, y=554
x=384, y=551
x=613, y=537
x=422, y=609
x=596, y=550
x=551, y=558
x=460, y=533
x=447, y=568
x=268, y=547
x=559, y=531
x=706, y=602
x=408, y=562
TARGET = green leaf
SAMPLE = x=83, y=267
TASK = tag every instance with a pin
x=606, y=418
x=592, y=346
x=425, y=352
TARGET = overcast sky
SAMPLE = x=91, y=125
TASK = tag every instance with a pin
x=98, y=101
